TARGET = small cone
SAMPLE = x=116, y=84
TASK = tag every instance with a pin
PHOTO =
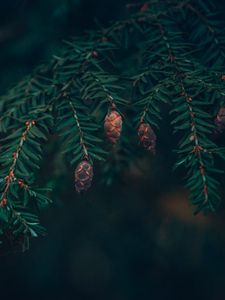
x=220, y=119
x=147, y=137
x=83, y=176
x=113, y=126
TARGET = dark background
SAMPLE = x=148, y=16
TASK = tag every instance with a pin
x=135, y=240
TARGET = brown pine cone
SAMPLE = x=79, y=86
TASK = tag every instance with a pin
x=113, y=126
x=220, y=119
x=83, y=176
x=147, y=137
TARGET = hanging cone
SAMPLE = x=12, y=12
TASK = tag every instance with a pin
x=147, y=137
x=113, y=126
x=83, y=176
x=220, y=119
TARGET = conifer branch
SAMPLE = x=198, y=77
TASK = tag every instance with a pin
x=174, y=59
x=212, y=44
x=82, y=142
x=11, y=173
x=84, y=88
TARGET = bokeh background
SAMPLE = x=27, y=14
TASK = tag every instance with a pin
x=137, y=239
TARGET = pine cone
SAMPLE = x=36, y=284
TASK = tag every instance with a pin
x=113, y=126
x=83, y=176
x=147, y=137
x=220, y=119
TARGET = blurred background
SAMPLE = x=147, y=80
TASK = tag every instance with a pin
x=137, y=239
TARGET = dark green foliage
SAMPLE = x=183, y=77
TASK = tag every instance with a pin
x=176, y=60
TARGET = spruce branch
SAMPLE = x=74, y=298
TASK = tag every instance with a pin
x=212, y=45
x=11, y=173
x=13, y=218
x=83, y=89
x=82, y=142
x=182, y=66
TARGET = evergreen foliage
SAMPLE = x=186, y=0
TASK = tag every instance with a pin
x=176, y=59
